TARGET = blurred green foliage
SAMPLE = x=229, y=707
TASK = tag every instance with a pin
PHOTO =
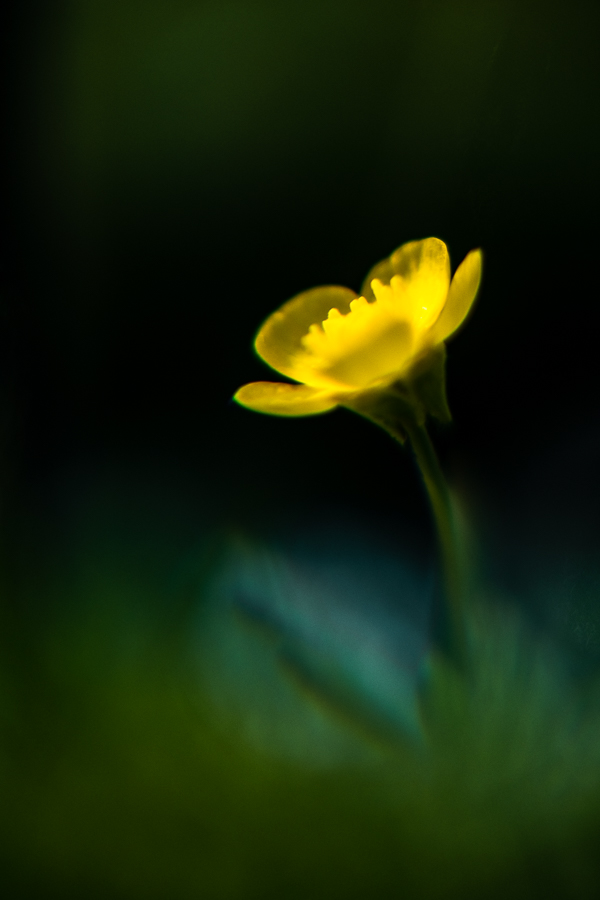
x=121, y=777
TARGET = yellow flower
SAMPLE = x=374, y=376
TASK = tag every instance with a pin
x=341, y=347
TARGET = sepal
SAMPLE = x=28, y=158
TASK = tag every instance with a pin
x=384, y=408
x=428, y=384
x=409, y=400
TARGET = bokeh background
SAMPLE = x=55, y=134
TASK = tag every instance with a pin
x=175, y=171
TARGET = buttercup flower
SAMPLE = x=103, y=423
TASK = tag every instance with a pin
x=341, y=347
x=382, y=355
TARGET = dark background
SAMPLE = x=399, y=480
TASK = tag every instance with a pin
x=178, y=170
x=174, y=172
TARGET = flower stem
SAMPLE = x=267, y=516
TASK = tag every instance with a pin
x=453, y=624
x=450, y=631
x=396, y=414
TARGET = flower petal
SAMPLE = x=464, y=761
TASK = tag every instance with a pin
x=278, y=341
x=461, y=295
x=383, y=271
x=423, y=265
x=382, y=353
x=279, y=399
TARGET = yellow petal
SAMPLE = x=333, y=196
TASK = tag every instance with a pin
x=383, y=272
x=423, y=266
x=461, y=295
x=284, y=399
x=278, y=341
x=367, y=346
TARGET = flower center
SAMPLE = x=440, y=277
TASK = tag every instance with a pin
x=373, y=342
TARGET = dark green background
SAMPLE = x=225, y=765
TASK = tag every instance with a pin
x=175, y=171
x=180, y=169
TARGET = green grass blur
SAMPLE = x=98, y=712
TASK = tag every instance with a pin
x=122, y=777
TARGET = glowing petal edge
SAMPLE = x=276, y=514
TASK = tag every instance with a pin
x=279, y=399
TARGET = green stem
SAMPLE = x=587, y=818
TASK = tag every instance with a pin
x=441, y=505
x=453, y=629
x=396, y=415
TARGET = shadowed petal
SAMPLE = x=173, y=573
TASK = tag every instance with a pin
x=279, y=399
x=278, y=341
x=461, y=295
